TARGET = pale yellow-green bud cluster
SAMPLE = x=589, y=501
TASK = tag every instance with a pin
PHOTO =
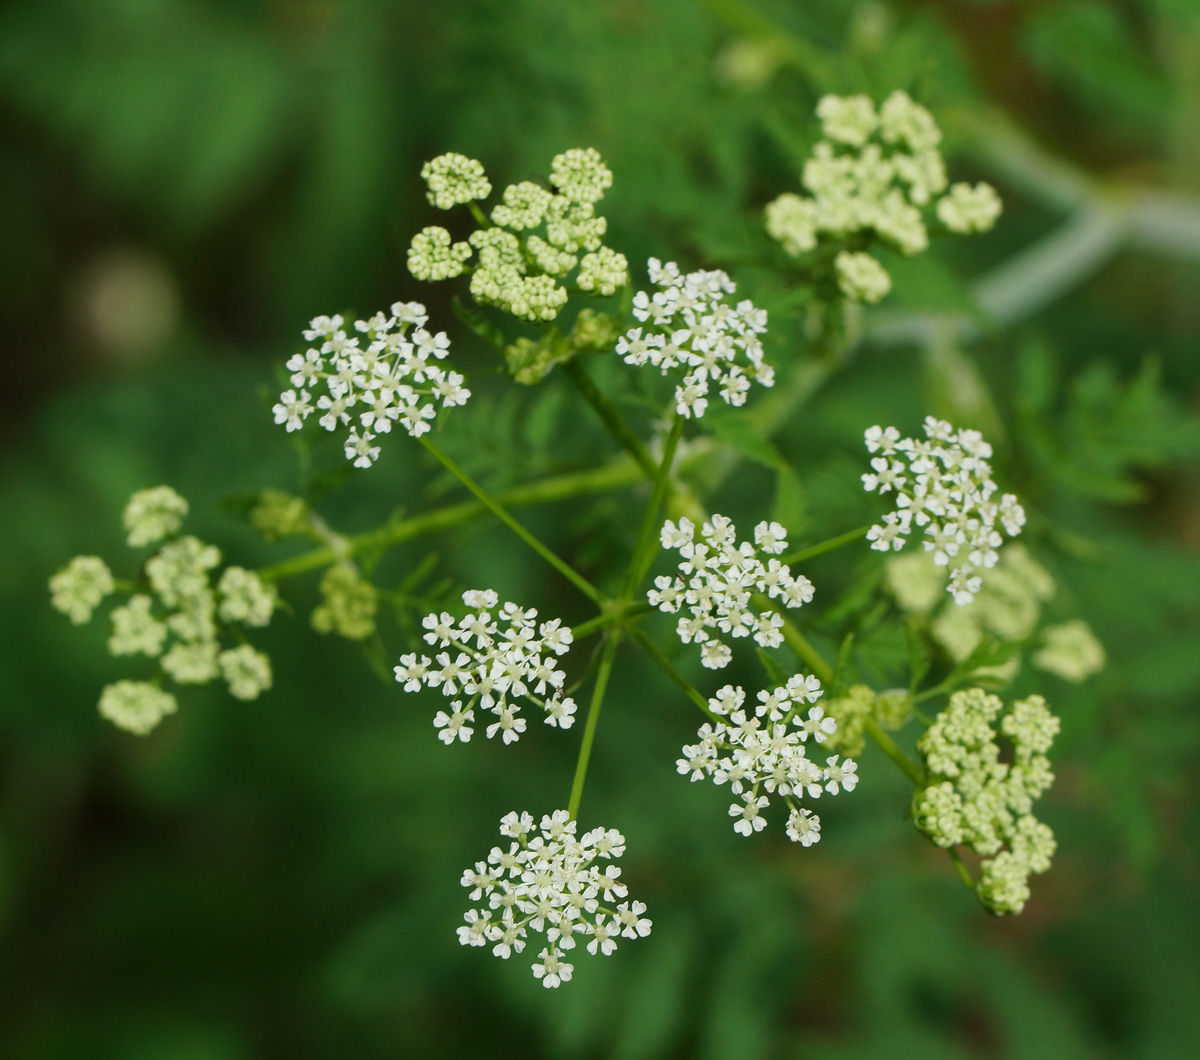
x=173, y=614
x=1008, y=607
x=79, y=588
x=535, y=239
x=977, y=799
x=348, y=604
x=434, y=256
x=278, y=515
x=852, y=711
x=875, y=175
x=453, y=179
x=1071, y=651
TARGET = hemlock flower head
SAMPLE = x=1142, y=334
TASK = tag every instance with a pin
x=246, y=671
x=861, y=278
x=179, y=571
x=581, y=175
x=975, y=798
x=373, y=380
x=547, y=880
x=946, y=488
x=518, y=270
x=720, y=576
x=136, y=706
x=433, y=256
x=178, y=620
x=453, y=179
x=689, y=324
x=135, y=629
x=969, y=209
x=153, y=514
x=245, y=597
x=493, y=659
x=762, y=752
x=79, y=588
x=1071, y=651
x=875, y=173
x=349, y=604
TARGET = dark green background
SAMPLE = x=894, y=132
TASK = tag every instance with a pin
x=279, y=879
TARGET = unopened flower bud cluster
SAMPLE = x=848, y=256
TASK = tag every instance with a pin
x=348, y=604
x=761, y=752
x=944, y=486
x=547, y=880
x=374, y=379
x=720, y=575
x=692, y=326
x=492, y=660
x=177, y=619
x=876, y=172
x=975, y=798
x=856, y=707
x=536, y=238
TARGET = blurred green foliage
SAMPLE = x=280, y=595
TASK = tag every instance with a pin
x=185, y=182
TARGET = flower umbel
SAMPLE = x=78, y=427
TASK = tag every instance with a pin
x=947, y=489
x=719, y=578
x=497, y=658
x=976, y=799
x=690, y=325
x=380, y=377
x=875, y=174
x=549, y=881
x=762, y=752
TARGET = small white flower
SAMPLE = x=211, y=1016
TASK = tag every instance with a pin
x=719, y=576
x=550, y=881
x=497, y=660
x=946, y=489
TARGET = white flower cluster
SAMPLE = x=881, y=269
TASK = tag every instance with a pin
x=491, y=667
x=518, y=269
x=762, y=753
x=690, y=324
x=551, y=882
x=379, y=377
x=176, y=619
x=720, y=576
x=874, y=173
x=975, y=798
x=946, y=488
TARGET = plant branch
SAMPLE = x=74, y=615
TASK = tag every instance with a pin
x=797, y=640
x=559, y=564
x=615, y=615
x=620, y=473
x=610, y=415
x=825, y=546
x=664, y=664
x=647, y=541
x=608, y=654
x=890, y=748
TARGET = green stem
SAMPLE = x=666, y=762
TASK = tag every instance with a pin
x=664, y=664
x=797, y=641
x=890, y=748
x=612, y=418
x=647, y=542
x=963, y=874
x=560, y=487
x=608, y=654
x=612, y=617
x=826, y=546
x=560, y=565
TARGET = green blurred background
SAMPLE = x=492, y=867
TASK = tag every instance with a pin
x=183, y=183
